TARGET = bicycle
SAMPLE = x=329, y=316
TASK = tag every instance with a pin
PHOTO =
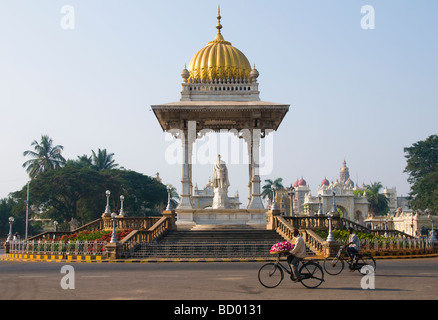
x=272, y=274
x=335, y=265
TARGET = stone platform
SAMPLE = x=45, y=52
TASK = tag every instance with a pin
x=187, y=218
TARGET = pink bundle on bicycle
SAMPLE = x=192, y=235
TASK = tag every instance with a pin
x=281, y=247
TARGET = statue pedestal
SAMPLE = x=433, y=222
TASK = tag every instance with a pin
x=220, y=199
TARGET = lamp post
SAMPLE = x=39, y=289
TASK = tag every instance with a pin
x=291, y=193
x=330, y=237
x=114, y=234
x=274, y=203
x=334, y=208
x=11, y=221
x=107, y=208
x=27, y=211
x=55, y=226
x=169, y=205
x=432, y=232
x=121, y=213
x=320, y=206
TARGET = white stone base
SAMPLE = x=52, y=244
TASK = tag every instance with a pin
x=253, y=217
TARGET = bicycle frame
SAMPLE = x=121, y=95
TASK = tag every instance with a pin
x=289, y=271
x=357, y=263
x=309, y=270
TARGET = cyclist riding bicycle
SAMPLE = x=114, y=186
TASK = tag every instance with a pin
x=353, y=245
x=298, y=253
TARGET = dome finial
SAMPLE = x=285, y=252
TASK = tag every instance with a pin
x=219, y=26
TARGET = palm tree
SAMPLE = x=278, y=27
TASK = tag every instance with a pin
x=102, y=160
x=45, y=157
x=378, y=201
x=85, y=161
x=267, y=188
x=174, y=196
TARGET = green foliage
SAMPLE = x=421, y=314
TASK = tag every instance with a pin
x=13, y=207
x=422, y=167
x=45, y=157
x=378, y=202
x=62, y=190
x=78, y=192
x=267, y=188
x=343, y=235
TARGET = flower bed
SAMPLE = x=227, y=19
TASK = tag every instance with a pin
x=99, y=235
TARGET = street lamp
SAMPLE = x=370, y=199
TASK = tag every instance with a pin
x=432, y=234
x=55, y=226
x=107, y=208
x=330, y=237
x=114, y=234
x=334, y=208
x=11, y=221
x=320, y=206
x=291, y=193
x=274, y=203
x=121, y=213
x=169, y=205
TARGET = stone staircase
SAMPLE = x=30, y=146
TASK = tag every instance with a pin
x=212, y=241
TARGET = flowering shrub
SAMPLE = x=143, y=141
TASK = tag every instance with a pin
x=98, y=235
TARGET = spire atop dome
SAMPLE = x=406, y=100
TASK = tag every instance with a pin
x=219, y=26
x=219, y=37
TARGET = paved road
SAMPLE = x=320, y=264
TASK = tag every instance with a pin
x=394, y=279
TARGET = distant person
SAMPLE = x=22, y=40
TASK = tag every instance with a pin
x=353, y=245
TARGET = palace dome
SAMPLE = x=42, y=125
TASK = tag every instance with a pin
x=325, y=182
x=219, y=60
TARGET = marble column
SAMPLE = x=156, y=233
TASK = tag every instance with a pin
x=256, y=200
x=188, y=136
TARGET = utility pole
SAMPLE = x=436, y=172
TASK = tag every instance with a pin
x=27, y=211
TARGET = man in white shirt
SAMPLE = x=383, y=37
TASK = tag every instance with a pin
x=353, y=245
x=298, y=253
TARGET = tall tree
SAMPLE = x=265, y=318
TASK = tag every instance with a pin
x=77, y=192
x=378, y=201
x=174, y=196
x=45, y=157
x=422, y=167
x=102, y=160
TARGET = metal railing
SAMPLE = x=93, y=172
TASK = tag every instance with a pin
x=58, y=247
x=232, y=249
x=391, y=244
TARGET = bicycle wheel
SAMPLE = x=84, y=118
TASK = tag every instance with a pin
x=333, y=265
x=270, y=275
x=312, y=275
x=367, y=261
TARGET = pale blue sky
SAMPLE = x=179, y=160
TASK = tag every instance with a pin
x=359, y=95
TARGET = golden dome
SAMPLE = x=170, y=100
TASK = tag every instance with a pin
x=219, y=60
